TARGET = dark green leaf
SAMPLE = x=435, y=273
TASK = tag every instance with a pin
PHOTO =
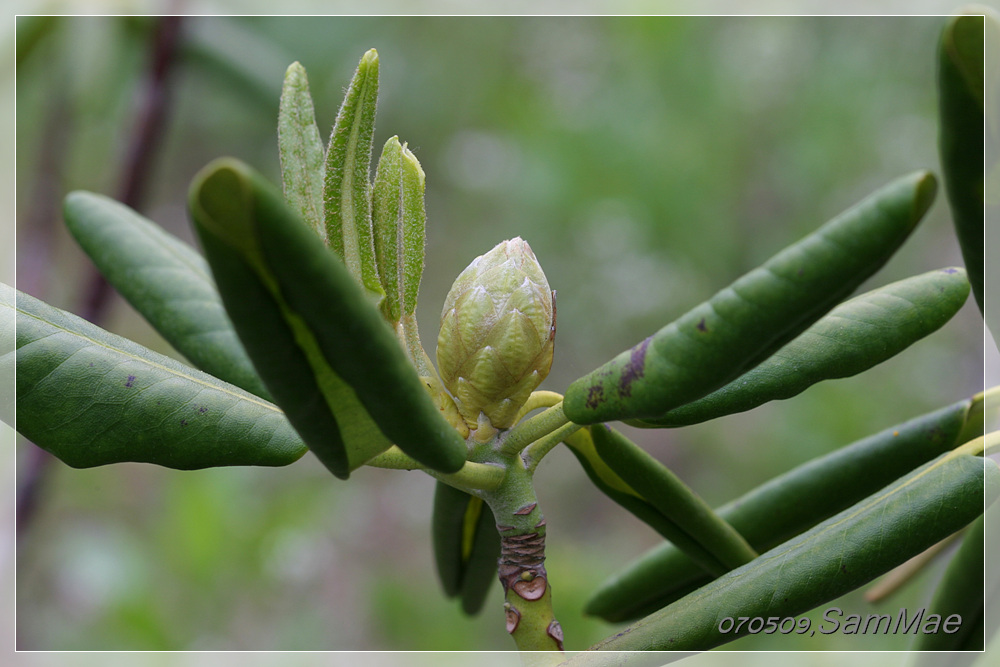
x=855, y=336
x=447, y=521
x=748, y=321
x=788, y=505
x=166, y=280
x=961, y=137
x=961, y=592
x=837, y=556
x=466, y=546
x=480, y=573
x=318, y=342
x=92, y=398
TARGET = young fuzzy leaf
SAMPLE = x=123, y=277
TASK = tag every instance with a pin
x=960, y=137
x=746, y=322
x=346, y=189
x=319, y=344
x=790, y=504
x=413, y=234
x=386, y=223
x=92, y=398
x=164, y=279
x=855, y=336
x=399, y=221
x=835, y=557
x=301, y=150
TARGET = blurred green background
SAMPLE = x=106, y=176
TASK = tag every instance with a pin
x=648, y=162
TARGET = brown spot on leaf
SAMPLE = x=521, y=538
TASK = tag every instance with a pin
x=634, y=369
x=540, y=523
x=595, y=396
x=701, y=326
x=130, y=380
x=502, y=528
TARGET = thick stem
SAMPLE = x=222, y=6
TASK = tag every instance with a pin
x=521, y=566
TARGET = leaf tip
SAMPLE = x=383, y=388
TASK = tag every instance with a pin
x=411, y=160
x=924, y=192
x=219, y=200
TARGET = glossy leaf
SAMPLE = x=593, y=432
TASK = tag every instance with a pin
x=789, y=504
x=961, y=591
x=301, y=150
x=346, y=189
x=656, y=484
x=294, y=371
x=164, y=279
x=325, y=353
x=837, y=556
x=466, y=546
x=92, y=398
x=612, y=485
x=447, y=523
x=961, y=137
x=481, y=566
x=855, y=336
x=748, y=321
x=399, y=222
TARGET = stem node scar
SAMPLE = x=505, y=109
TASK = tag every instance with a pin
x=513, y=617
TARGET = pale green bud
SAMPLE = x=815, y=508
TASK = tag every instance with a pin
x=497, y=334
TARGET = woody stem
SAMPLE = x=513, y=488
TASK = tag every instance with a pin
x=521, y=566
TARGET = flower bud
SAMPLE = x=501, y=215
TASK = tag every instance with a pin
x=497, y=334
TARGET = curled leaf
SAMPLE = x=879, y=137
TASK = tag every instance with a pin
x=325, y=353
